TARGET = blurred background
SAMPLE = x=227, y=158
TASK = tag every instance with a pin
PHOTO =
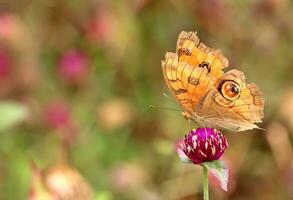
x=77, y=78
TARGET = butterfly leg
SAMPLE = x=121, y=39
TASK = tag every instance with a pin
x=205, y=128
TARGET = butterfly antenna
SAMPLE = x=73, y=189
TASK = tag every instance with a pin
x=164, y=108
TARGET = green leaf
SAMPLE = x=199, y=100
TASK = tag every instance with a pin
x=11, y=114
x=219, y=170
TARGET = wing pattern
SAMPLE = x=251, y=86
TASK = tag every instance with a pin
x=194, y=76
x=192, y=70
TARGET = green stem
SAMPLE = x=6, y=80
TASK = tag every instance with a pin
x=205, y=182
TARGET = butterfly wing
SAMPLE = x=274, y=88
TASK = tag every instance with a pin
x=237, y=114
x=194, y=76
x=192, y=70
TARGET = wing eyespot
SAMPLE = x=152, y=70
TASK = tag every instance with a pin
x=230, y=90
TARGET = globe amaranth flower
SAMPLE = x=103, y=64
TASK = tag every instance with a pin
x=73, y=65
x=202, y=145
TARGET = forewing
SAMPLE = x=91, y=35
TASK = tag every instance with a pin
x=192, y=70
x=171, y=68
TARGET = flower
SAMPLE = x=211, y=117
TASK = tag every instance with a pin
x=101, y=26
x=67, y=183
x=202, y=145
x=5, y=64
x=73, y=65
x=37, y=188
x=59, y=182
x=57, y=114
x=9, y=27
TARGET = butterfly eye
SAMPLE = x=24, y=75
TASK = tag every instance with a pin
x=230, y=90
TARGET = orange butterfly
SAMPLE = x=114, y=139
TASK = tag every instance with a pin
x=209, y=96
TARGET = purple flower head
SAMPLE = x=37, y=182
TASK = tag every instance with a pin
x=202, y=145
x=73, y=65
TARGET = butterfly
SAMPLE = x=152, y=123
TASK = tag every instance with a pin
x=209, y=96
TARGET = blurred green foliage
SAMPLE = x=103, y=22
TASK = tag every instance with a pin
x=14, y=113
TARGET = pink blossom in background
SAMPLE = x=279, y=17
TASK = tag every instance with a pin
x=57, y=114
x=11, y=28
x=73, y=65
x=100, y=26
x=6, y=26
x=5, y=64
